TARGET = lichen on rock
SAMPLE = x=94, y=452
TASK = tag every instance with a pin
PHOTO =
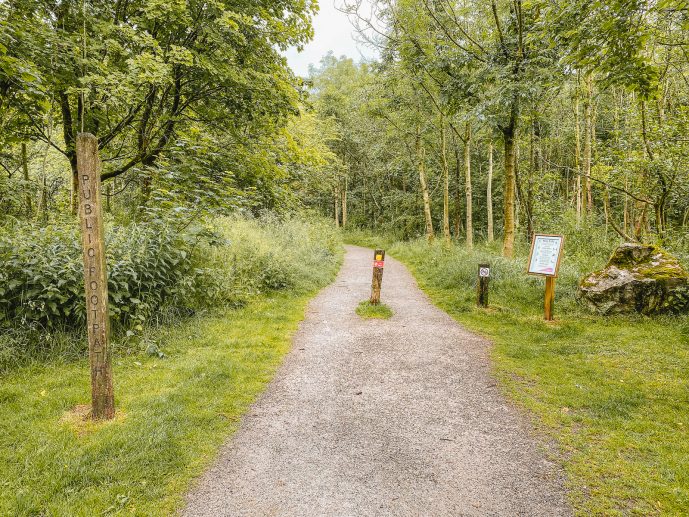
x=638, y=278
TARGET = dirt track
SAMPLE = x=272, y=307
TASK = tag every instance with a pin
x=389, y=418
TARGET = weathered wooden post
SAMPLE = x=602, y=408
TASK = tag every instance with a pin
x=378, y=265
x=95, y=277
x=482, y=288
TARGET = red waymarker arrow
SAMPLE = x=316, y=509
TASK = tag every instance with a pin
x=378, y=263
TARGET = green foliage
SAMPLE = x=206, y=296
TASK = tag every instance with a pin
x=140, y=75
x=511, y=289
x=578, y=86
x=368, y=311
x=368, y=238
x=156, y=272
x=13, y=194
x=609, y=36
x=42, y=274
x=587, y=248
x=272, y=254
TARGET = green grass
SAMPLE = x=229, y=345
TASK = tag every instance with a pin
x=367, y=238
x=612, y=392
x=173, y=414
x=369, y=311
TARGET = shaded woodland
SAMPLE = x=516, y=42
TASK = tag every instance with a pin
x=492, y=120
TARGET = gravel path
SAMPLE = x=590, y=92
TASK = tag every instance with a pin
x=387, y=418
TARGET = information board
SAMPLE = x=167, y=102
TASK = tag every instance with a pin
x=546, y=251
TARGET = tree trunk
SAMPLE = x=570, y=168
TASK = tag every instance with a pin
x=44, y=198
x=489, y=193
x=108, y=196
x=446, y=182
x=534, y=168
x=662, y=184
x=625, y=216
x=458, y=191
x=509, y=136
x=641, y=222
x=25, y=169
x=467, y=187
x=577, y=158
x=421, y=157
x=70, y=137
x=344, y=204
x=609, y=217
x=146, y=188
x=336, y=198
x=588, y=141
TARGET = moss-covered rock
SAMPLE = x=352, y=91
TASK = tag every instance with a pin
x=638, y=278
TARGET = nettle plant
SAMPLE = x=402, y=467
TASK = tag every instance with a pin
x=41, y=274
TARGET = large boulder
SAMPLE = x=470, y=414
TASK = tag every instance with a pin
x=638, y=278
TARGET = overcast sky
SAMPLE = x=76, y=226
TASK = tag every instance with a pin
x=332, y=32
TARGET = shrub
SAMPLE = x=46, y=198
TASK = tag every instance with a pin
x=41, y=274
x=271, y=254
x=155, y=273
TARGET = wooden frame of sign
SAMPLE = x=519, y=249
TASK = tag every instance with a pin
x=549, y=300
x=559, y=255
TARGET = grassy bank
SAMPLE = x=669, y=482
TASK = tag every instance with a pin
x=173, y=414
x=613, y=392
x=181, y=385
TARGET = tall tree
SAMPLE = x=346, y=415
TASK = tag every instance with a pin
x=136, y=73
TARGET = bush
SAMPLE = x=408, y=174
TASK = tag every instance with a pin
x=41, y=274
x=368, y=238
x=154, y=273
x=271, y=254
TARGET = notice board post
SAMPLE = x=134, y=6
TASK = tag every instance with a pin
x=544, y=260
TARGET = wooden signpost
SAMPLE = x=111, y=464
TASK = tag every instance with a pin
x=378, y=265
x=95, y=277
x=482, y=288
x=544, y=260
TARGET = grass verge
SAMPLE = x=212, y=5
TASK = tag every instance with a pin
x=613, y=392
x=173, y=414
x=368, y=311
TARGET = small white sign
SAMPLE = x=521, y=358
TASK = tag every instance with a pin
x=545, y=255
x=484, y=272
